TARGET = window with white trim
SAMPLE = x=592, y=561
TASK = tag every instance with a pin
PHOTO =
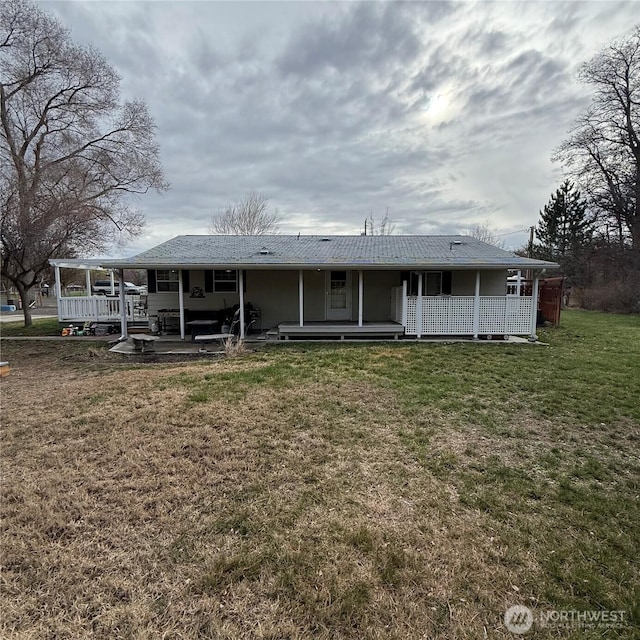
x=167, y=280
x=225, y=280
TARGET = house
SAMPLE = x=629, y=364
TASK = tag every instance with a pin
x=340, y=286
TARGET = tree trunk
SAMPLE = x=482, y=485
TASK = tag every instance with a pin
x=635, y=243
x=24, y=298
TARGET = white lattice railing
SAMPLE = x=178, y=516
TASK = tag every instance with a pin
x=98, y=308
x=453, y=315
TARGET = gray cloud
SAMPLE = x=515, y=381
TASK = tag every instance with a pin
x=365, y=36
x=446, y=113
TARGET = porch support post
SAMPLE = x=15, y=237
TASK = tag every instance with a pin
x=419, y=307
x=58, y=283
x=87, y=281
x=360, y=294
x=113, y=284
x=533, y=336
x=301, y=296
x=241, y=291
x=404, y=304
x=124, y=335
x=476, y=307
x=181, y=303
x=519, y=283
x=58, y=287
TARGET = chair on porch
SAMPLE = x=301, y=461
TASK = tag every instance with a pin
x=141, y=307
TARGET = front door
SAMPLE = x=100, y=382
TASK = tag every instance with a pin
x=338, y=295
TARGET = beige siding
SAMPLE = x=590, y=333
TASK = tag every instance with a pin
x=275, y=293
x=492, y=283
x=376, y=305
x=314, y=296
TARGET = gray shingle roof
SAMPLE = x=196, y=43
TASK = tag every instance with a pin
x=275, y=251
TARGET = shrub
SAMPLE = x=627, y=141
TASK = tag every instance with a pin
x=622, y=296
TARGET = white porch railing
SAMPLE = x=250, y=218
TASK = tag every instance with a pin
x=453, y=315
x=99, y=308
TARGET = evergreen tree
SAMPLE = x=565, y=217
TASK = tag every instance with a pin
x=564, y=230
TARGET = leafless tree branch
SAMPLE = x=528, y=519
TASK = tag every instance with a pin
x=602, y=154
x=70, y=151
x=249, y=216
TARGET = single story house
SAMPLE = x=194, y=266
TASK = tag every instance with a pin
x=327, y=285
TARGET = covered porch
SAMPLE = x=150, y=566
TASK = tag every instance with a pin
x=416, y=314
x=314, y=303
x=466, y=315
x=118, y=308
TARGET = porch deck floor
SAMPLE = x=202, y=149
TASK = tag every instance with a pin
x=340, y=329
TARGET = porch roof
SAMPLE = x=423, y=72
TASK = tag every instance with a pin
x=296, y=251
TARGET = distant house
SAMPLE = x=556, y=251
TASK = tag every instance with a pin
x=305, y=286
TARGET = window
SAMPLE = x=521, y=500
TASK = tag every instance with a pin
x=225, y=280
x=434, y=283
x=167, y=280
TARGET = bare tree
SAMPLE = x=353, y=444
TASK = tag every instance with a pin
x=70, y=152
x=248, y=217
x=385, y=227
x=484, y=232
x=603, y=153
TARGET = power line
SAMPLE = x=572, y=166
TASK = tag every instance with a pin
x=501, y=235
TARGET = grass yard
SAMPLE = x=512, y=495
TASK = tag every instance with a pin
x=323, y=490
x=40, y=327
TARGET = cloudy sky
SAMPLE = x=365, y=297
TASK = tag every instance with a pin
x=444, y=114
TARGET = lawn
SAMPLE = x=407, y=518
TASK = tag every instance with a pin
x=323, y=490
x=40, y=327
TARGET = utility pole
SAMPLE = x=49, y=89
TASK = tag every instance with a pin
x=532, y=231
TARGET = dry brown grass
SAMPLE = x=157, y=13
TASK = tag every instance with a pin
x=160, y=502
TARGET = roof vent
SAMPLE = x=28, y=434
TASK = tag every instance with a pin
x=454, y=243
x=325, y=240
x=264, y=251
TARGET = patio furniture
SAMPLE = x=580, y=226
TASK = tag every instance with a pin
x=169, y=320
x=199, y=327
x=144, y=343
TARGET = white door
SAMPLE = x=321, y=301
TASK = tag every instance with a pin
x=338, y=295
